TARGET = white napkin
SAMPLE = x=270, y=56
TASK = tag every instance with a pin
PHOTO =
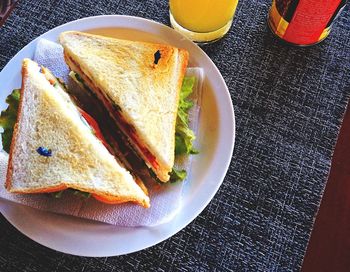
x=165, y=199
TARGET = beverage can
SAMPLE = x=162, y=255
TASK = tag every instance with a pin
x=303, y=22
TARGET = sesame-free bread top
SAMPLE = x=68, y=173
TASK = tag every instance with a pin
x=143, y=79
x=47, y=118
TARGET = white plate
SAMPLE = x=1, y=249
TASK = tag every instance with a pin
x=216, y=141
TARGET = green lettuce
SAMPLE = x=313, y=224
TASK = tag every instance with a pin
x=8, y=119
x=78, y=193
x=184, y=136
x=177, y=175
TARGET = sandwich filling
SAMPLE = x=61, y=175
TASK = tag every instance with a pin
x=184, y=136
x=115, y=113
x=90, y=122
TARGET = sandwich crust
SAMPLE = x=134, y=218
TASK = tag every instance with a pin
x=15, y=129
x=145, y=88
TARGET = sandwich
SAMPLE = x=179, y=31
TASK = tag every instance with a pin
x=56, y=145
x=139, y=84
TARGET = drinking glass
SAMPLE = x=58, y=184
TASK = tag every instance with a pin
x=202, y=21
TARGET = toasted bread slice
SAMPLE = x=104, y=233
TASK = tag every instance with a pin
x=139, y=83
x=53, y=149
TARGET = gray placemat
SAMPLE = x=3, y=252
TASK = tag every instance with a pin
x=289, y=104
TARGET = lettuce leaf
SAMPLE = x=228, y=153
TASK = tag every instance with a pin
x=184, y=136
x=8, y=119
x=75, y=192
x=57, y=194
x=177, y=175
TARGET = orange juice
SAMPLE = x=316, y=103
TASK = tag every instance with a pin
x=203, y=15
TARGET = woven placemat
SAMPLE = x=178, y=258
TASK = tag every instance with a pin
x=289, y=103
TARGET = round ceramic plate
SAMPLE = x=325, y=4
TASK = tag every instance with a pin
x=216, y=137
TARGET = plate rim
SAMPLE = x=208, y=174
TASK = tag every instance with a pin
x=215, y=188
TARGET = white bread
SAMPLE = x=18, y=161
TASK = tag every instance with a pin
x=48, y=118
x=147, y=93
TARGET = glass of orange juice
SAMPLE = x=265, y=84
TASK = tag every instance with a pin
x=202, y=21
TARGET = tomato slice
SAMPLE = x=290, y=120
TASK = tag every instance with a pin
x=106, y=199
x=91, y=121
x=131, y=133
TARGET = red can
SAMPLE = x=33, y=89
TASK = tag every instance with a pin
x=303, y=22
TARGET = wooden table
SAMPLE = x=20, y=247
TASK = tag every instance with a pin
x=6, y=7
x=329, y=246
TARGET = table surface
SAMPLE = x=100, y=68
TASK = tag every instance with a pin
x=289, y=104
x=329, y=247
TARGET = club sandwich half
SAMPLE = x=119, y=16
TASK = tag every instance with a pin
x=139, y=84
x=56, y=146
